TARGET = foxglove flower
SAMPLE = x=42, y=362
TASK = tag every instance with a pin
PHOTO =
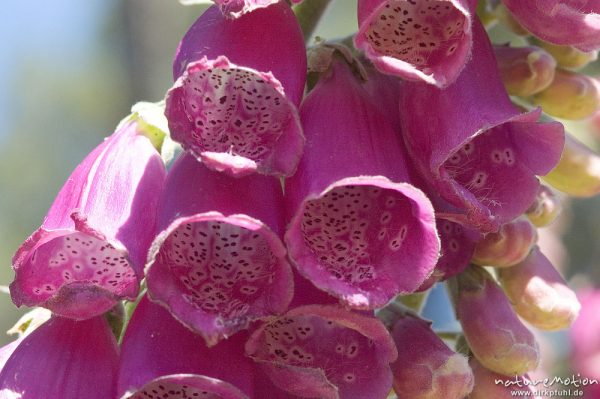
x=567, y=22
x=90, y=250
x=238, y=85
x=457, y=241
x=493, y=331
x=427, y=368
x=325, y=352
x=493, y=385
x=62, y=359
x=218, y=262
x=426, y=41
x=356, y=226
x=524, y=70
x=508, y=246
x=539, y=294
x=161, y=357
x=474, y=146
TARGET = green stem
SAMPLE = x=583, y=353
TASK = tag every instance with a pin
x=309, y=13
x=415, y=301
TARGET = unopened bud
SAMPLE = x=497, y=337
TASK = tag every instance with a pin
x=539, y=294
x=525, y=71
x=508, y=246
x=570, y=96
x=545, y=208
x=427, y=368
x=578, y=171
x=493, y=331
x=497, y=386
x=486, y=13
x=568, y=56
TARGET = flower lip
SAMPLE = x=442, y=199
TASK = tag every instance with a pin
x=186, y=386
x=428, y=41
x=343, y=274
x=220, y=291
x=235, y=119
x=301, y=345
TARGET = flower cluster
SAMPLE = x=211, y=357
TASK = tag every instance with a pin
x=272, y=258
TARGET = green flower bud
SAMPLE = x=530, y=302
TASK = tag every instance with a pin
x=578, y=171
x=567, y=56
x=570, y=96
x=545, y=208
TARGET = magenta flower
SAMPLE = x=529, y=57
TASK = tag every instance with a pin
x=219, y=262
x=325, y=352
x=62, y=359
x=357, y=230
x=426, y=41
x=90, y=250
x=234, y=102
x=159, y=356
x=566, y=22
x=427, y=368
x=474, y=146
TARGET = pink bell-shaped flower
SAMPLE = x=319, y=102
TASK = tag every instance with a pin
x=219, y=262
x=239, y=82
x=358, y=230
x=91, y=248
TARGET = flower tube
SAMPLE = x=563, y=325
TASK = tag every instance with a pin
x=357, y=230
x=90, y=250
x=218, y=262
x=566, y=22
x=159, y=356
x=427, y=368
x=238, y=85
x=474, y=146
x=62, y=359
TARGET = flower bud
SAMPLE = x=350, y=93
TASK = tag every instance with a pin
x=486, y=13
x=493, y=331
x=508, y=246
x=570, y=96
x=427, y=367
x=545, y=208
x=578, y=171
x=539, y=294
x=492, y=385
x=568, y=56
x=525, y=71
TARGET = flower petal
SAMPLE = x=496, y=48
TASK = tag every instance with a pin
x=63, y=359
x=219, y=262
x=90, y=250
